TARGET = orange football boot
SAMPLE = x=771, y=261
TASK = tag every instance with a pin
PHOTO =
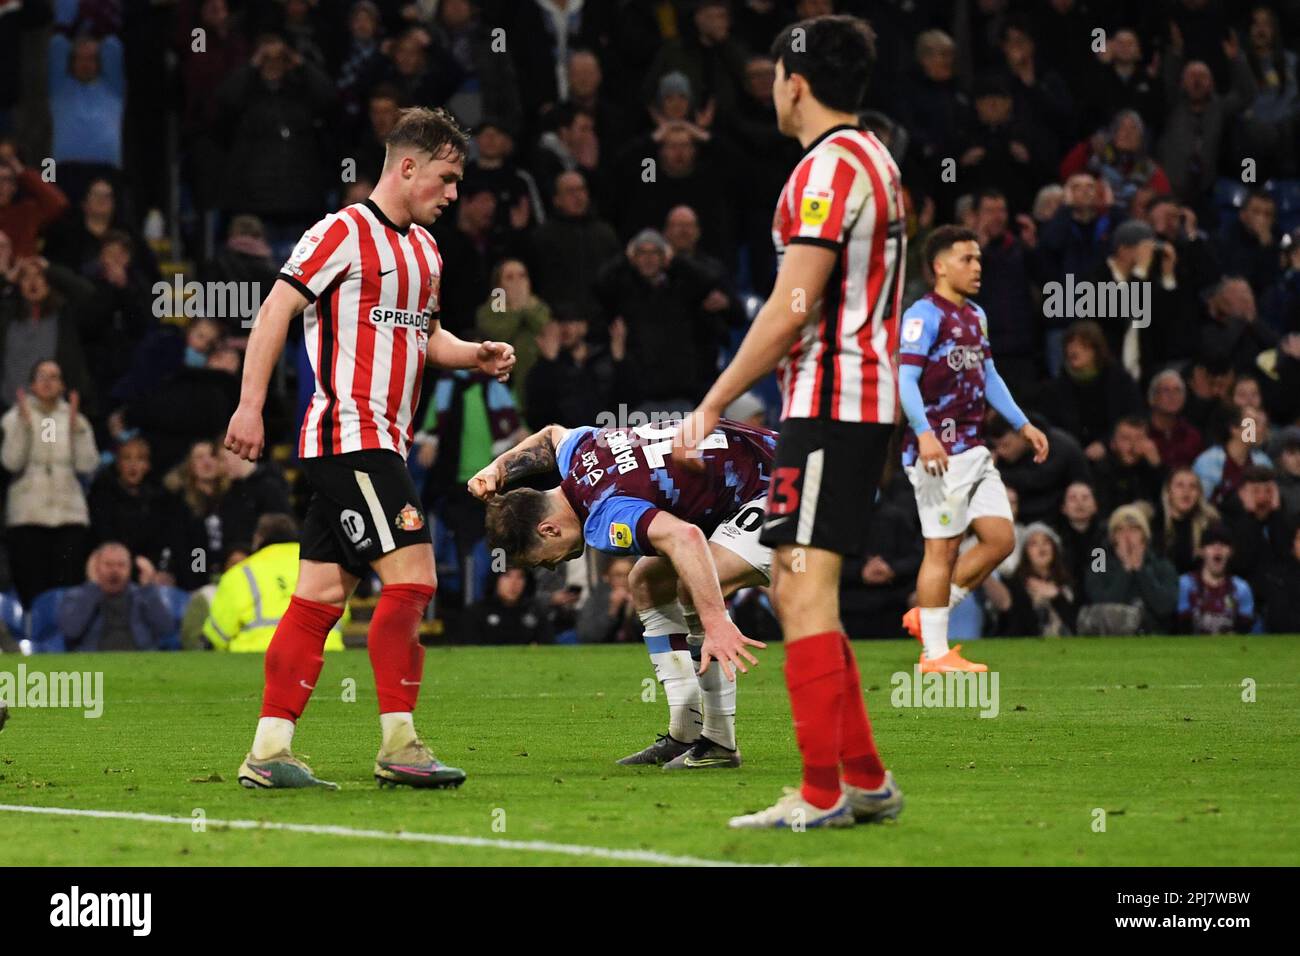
x=912, y=622
x=952, y=661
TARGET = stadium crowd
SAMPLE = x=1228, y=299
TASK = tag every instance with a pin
x=1131, y=170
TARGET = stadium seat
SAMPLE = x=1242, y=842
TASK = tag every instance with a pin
x=43, y=623
x=177, y=601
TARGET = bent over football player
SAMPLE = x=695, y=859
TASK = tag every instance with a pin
x=696, y=532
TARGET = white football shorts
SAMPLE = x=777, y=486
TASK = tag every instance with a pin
x=971, y=488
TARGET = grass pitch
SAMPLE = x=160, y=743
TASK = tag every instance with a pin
x=1153, y=731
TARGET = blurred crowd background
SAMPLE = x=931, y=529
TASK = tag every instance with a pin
x=614, y=224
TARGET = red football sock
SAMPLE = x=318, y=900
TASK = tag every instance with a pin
x=395, y=652
x=814, y=675
x=862, y=766
x=295, y=656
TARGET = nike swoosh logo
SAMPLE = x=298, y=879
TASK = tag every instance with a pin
x=410, y=683
x=706, y=762
x=389, y=272
x=773, y=522
x=303, y=683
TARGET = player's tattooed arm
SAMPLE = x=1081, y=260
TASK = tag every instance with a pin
x=535, y=455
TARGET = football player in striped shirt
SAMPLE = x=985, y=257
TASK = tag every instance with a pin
x=366, y=279
x=832, y=324
x=947, y=382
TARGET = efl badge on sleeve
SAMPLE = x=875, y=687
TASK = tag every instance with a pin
x=620, y=535
x=815, y=206
x=912, y=329
x=409, y=519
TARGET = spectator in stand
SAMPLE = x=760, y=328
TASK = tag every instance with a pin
x=575, y=381
x=1123, y=82
x=192, y=404
x=1280, y=305
x=196, y=543
x=1177, y=442
x=1074, y=241
x=570, y=249
x=1133, y=576
x=470, y=247
x=203, y=68
x=508, y=614
x=570, y=144
x=48, y=444
x=1269, y=125
x=1003, y=150
x=519, y=205
x=254, y=594
x=246, y=257
x=1131, y=469
x=1281, y=584
x=1042, y=100
x=1080, y=529
x=272, y=112
x=875, y=588
x=1119, y=155
x=471, y=418
x=682, y=233
x=28, y=204
x=1220, y=467
x=1041, y=487
x=1248, y=245
x=109, y=612
x=121, y=314
x=41, y=321
x=676, y=320
x=614, y=127
x=77, y=238
x=1092, y=392
x=87, y=90
x=543, y=32
x=482, y=82
x=1182, y=518
x=1210, y=600
x=687, y=172
x=1198, y=116
x=413, y=66
x=383, y=106
x=1008, y=283
x=934, y=105
x=1197, y=263
x=1039, y=599
x=361, y=59
x=127, y=505
x=255, y=489
x=514, y=314
x=1209, y=384
x=712, y=60
x=164, y=352
x=1288, y=473
x=608, y=616
x=1260, y=533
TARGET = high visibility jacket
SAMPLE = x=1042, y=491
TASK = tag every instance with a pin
x=252, y=597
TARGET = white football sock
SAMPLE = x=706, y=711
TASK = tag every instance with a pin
x=934, y=631
x=956, y=594
x=398, y=729
x=274, y=735
x=675, y=670
x=717, y=694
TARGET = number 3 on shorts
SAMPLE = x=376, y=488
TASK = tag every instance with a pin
x=784, y=496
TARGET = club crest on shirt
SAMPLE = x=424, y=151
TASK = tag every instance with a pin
x=815, y=206
x=410, y=518
x=620, y=535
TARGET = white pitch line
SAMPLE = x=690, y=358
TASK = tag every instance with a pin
x=403, y=836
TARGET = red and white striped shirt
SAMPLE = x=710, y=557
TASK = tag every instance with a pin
x=374, y=299
x=846, y=194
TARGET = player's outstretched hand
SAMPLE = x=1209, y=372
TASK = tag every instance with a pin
x=726, y=645
x=486, y=483
x=694, y=428
x=496, y=359
x=1038, y=440
x=931, y=454
x=244, y=434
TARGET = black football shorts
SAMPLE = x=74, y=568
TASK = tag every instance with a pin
x=824, y=481
x=363, y=506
